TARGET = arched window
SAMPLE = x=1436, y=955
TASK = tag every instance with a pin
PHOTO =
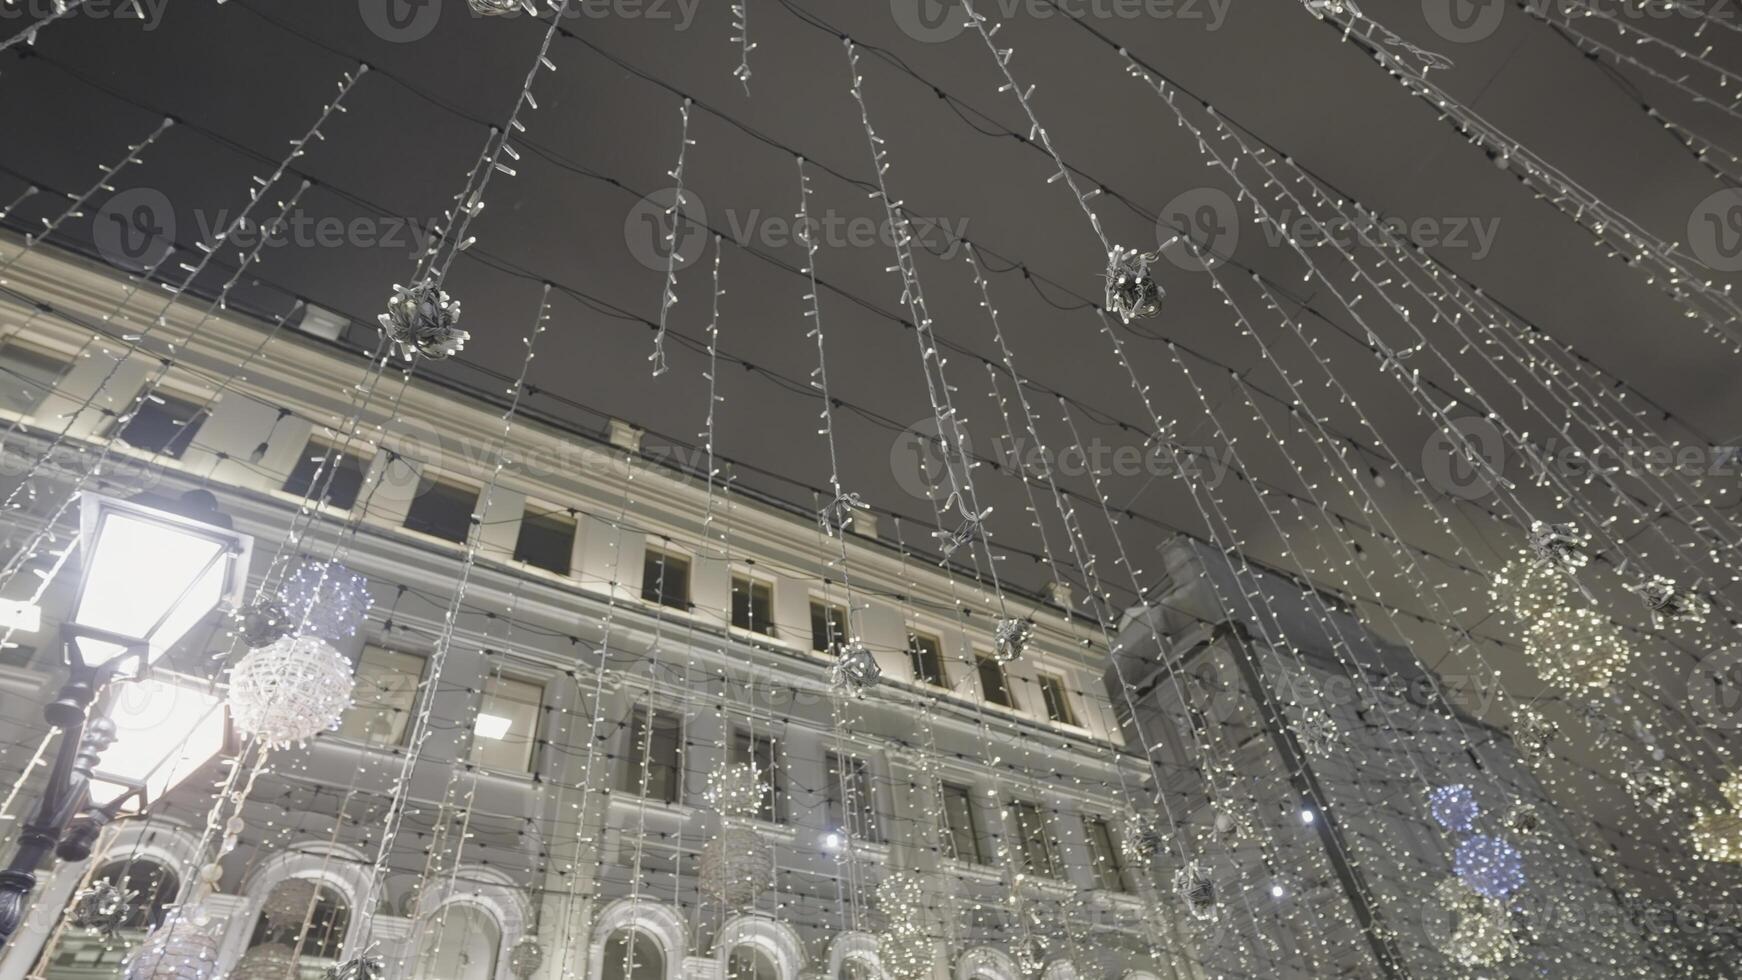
x=631, y=954
x=302, y=921
x=857, y=968
x=461, y=941
x=150, y=889
x=749, y=962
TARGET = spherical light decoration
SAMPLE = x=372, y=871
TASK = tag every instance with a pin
x=735, y=789
x=1654, y=788
x=268, y=961
x=1523, y=820
x=1717, y=836
x=1560, y=545
x=101, y=909
x=1011, y=637
x=421, y=319
x=182, y=948
x=1732, y=789
x=262, y=622
x=1577, y=648
x=525, y=957
x=290, y=690
x=1196, y=888
x=1489, y=865
x=1132, y=291
x=856, y=668
x=365, y=967
x=1670, y=604
x=1317, y=733
x=904, y=946
x=1470, y=928
x=1528, y=589
x=289, y=902
x=326, y=599
x=1533, y=734
x=1454, y=807
x=737, y=865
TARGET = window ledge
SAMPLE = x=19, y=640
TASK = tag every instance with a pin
x=630, y=806
x=1051, y=887
x=968, y=869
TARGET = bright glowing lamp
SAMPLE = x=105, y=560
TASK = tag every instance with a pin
x=166, y=728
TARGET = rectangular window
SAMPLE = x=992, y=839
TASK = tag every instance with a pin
x=752, y=605
x=762, y=752
x=546, y=541
x=828, y=626
x=654, y=754
x=1058, y=703
x=1110, y=873
x=27, y=375
x=665, y=579
x=384, y=697
x=442, y=509
x=162, y=424
x=927, y=657
x=993, y=684
x=340, y=478
x=961, y=828
x=1033, y=845
x=852, y=805
x=507, y=724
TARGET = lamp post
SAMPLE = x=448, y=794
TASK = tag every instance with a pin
x=151, y=569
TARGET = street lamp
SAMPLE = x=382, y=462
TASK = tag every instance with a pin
x=152, y=569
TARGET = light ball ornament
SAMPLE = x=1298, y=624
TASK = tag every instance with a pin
x=1470, y=928
x=736, y=865
x=904, y=947
x=1529, y=589
x=365, y=967
x=263, y=621
x=1560, y=545
x=855, y=668
x=1534, y=734
x=1671, y=604
x=1195, y=886
x=1523, y=820
x=326, y=599
x=1454, y=807
x=525, y=957
x=290, y=690
x=182, y=948
x=1011, y=637
x=1489, y=865
x=423, y=319
x=289, y=903
x=1132, y=292
x=101, y=909
x=735, y=789
x=1578, y=649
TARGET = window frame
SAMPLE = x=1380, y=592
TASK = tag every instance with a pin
x=1105, y=857
x=184, y=434
x=560, y=515
x=532, y=741
x=984, y=662
x=1053, y=686
x=637, y=762
x=981, y=854
x=828, y=610
x=404, y=723
x=307, y=454
x=772, y=809
x=667, y=556
x=865, y=811
x=46, y=353
x=1053, y=868
x=754, y=581
x=915, y=654
x=455, y=482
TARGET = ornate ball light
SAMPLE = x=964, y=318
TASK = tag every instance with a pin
x=525, y=957
x=1717, y=836
x=1471, y=929
x=1196, y=888
x=289, y=902
x=1132, y=291
x=182, y=948
x=290, y=690
x=326, y=599
x=1529, y=589
x=737, y=865
x=102, y=909
x=1011, y=637
x=1489, y=865
x=422, y=319
x=856, y=668
x=1577, y=648
x=905, y=945
x=1453, y=807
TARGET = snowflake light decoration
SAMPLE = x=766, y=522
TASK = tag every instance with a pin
x=422, y=319
x=1011, y=637
x=365, y=967
x=1534, y=734
x=964, y=533
x=1132, y=291
x=102, y=909
x=1669, y=603
x=837, y=515
x=1196, y=888
x=855, y=668
x=290, y=690
x=1651, y=786
x=1317, y=733
x=1560, y=545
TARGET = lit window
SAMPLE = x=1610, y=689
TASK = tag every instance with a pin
x=993, y=684
x=752, y=605
x=507, y=724
x=384, y=697
x=546, y=541
x=442, y=509
x=961, y=826
x=665, y=579
x=927, y=657
x=161, y=424
x=762, y=752
x=1036, y=849
x=339, y=474
x=654, y=754
x=27, y=375
x=1058, y=703
x=828, y=626
x=1110, y=872
x=852, y=802
x=631, y=954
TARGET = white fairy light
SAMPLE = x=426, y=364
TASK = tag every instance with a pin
x=675, y=217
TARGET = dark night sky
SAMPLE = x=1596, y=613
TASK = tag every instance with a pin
x=250, y=75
